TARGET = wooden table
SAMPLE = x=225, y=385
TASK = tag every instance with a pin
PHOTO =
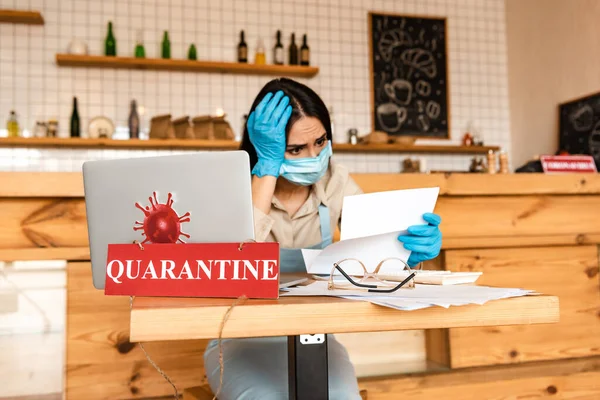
x=306, y=318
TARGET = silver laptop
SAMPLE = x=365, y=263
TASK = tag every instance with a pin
x=208, y=195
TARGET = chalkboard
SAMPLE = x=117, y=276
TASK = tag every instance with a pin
x=579, y=126
x=409, y=82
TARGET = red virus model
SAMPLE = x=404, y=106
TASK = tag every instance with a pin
x=161, y=223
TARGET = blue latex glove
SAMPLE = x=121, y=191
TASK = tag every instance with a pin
x=424, y=241
x=266, y=129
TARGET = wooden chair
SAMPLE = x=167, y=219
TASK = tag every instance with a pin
x=204, y=393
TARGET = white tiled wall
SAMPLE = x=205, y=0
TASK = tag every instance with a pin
x=32, y=84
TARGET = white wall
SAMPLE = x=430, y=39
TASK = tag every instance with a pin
x=31, y=83
x=553, y=57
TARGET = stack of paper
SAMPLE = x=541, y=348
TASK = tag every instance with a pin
x=421, y=296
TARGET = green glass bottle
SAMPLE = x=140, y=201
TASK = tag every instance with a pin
x=110, y=44
x=293, y=50
x=192, y=53
x=166, y=46
x=140, y=52
x=75, y=126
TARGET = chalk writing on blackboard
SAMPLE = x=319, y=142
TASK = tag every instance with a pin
x=409, y=75
x=579, y=126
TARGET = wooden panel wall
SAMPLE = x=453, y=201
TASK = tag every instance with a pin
x=500, y=216
x=34, y=223
x=567, y=379
x=102, y=364
x=568, y=272
x=467, y=222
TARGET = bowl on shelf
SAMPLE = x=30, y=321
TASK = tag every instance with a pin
x=100, y=127
x=77, y=47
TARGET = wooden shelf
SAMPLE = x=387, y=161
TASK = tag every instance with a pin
x=71, y=60
x=197, y=144
x=21, y=17
x=166, y=144
x=403, y=148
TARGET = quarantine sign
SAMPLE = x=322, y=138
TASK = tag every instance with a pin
x=163, y=264
x=194, y=270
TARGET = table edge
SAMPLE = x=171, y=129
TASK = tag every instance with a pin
x=185, y=323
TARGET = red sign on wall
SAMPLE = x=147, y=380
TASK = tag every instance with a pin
x=568, y=164
x=194, y=270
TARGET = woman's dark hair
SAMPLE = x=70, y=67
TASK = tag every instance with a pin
x=304, y=101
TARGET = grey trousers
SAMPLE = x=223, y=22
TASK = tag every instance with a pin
x=257, y=369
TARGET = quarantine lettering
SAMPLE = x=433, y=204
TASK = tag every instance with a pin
x=232, y=270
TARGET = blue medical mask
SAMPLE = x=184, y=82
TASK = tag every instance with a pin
x=306, y=171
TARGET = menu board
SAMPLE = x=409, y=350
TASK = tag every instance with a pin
x=579, y=126
x=409, y=82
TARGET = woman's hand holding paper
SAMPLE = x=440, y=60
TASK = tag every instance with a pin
x=424, y=241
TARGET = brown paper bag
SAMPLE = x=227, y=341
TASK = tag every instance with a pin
x=203, y=127
x=161, y=127
x=183, y=128
x=222, y=129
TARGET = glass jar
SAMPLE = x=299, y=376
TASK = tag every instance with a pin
x=52, y=130
x=40, y=130
x=353, y=136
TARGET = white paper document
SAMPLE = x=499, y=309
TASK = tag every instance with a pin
x=411, y=299
x=370, y=227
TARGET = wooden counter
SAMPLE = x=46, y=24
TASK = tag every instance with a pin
x=70, y=184
x=522, y=230
x=44, y=213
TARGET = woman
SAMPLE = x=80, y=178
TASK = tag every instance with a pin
x=297, y=194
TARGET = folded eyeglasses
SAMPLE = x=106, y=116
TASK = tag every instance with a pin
x=371, y=281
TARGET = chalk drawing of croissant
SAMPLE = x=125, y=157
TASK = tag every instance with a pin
x=390, y=40
x=421, y=60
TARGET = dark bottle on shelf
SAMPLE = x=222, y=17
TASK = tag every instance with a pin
x=192, y=54
x=110, y=44
x=166, y=46
x=134, y=121
x=278, y=51
x=242, y=49
x=304, y=52
x=293, y=60
x=75, y=125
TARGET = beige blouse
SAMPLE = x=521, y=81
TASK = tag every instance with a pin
x=303, y=229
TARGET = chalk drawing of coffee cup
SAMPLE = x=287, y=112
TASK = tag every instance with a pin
x=391, y=117
x=399, y=91
x=583, y=118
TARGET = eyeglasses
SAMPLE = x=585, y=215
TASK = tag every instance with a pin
x=369, y=280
